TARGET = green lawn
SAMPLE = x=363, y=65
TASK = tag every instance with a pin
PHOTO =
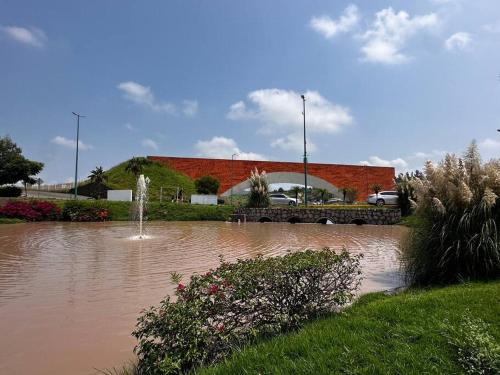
x=6, y=220
x=379, y=334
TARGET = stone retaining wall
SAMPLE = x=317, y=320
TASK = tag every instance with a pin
x=319, y=215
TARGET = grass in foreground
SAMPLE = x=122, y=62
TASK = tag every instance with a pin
x=403, y=334
x=6, y=220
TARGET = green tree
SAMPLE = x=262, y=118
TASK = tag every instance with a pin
x=296, y=190
x=323, y=193
x=98, y=175
x=14, y=166
x=136, y=165
x=207, y=185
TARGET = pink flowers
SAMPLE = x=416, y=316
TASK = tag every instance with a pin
x=220, y=327
x=213, y=289
x=30, y=211
x=181, y=287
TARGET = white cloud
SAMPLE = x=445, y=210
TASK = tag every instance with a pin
x=70, y=143
x=389, y=34
x=399, y=164
x=428, y=155
x=149, y=143
x=129, y=127
x=493, y=28
x=281, y=110
x=458, y=41
x=280, y=113
x=490, y=148
x=224, y=148
x=190, y=108
x=30, y=36
x=293, y=142
x=329, y=28
x=143, y=95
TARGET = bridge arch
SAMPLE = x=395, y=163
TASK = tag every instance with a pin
x=286, y=177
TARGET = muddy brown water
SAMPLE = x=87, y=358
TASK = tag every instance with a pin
x=70, y=293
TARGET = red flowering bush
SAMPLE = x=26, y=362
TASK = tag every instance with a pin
x=230, y=306
x=30, y=210
x=79, y=211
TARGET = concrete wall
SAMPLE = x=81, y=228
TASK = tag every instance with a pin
x=315, y=215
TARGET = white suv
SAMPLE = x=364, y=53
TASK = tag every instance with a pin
x=384, y=197
x=282, y=199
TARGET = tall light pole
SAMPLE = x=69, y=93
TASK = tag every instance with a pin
x=305, y=149
x=77, y=142
x=232, y=170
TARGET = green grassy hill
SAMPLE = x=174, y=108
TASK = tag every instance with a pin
x=159, y=175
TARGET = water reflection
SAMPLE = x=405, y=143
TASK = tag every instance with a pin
x=70, y=293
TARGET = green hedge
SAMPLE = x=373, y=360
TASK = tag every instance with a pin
x=123, y=211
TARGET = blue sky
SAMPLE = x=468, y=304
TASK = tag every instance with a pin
x=387, y=82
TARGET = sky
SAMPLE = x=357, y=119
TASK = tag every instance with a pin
x=386, y=82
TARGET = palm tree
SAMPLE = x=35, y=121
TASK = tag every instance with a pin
x=296, y=190
x=323, y=193
x=97, y=175
x=136, y=166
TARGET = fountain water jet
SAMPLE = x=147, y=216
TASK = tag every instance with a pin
x=141, y=198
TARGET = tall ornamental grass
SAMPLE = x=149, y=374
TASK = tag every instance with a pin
x=259, y=189
x=458, y=239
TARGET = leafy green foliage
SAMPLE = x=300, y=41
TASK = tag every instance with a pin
x=477, y=351
x=207, y=185
x=14, y=166
x=236, y=303
x=259, y=190
x=457, y=203
x=75, y=211
x=136, y=166
x=10, y=191
x=349, y=194
x=97, y=175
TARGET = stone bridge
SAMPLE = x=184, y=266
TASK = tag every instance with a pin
x=386, y=216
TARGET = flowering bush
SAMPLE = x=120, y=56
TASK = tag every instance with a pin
x=458, y=203
x=235, y=303
x=30, y=210
x=76, y=211
x=259, y=189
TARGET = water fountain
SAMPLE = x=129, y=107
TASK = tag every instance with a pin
x=141, y=198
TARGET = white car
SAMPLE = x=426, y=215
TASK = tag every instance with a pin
x=282, y=199
x=382, y=198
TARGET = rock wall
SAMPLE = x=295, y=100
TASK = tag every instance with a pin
x=319, y=215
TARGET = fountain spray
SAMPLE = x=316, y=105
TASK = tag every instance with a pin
x=141, y=199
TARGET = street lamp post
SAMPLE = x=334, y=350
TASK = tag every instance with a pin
x=305, y=149
x=232, y=174
x=77, y=142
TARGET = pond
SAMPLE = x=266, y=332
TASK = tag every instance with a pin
x=70, y=293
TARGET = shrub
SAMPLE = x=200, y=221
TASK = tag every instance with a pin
x=207, y=185
x=235, y=303
x=259, y=189
x=457, y=202
x=477, y=351
x=77, y=211
x=351, y=195
x=10, y=191
x=406, y=192
x=30, y=210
